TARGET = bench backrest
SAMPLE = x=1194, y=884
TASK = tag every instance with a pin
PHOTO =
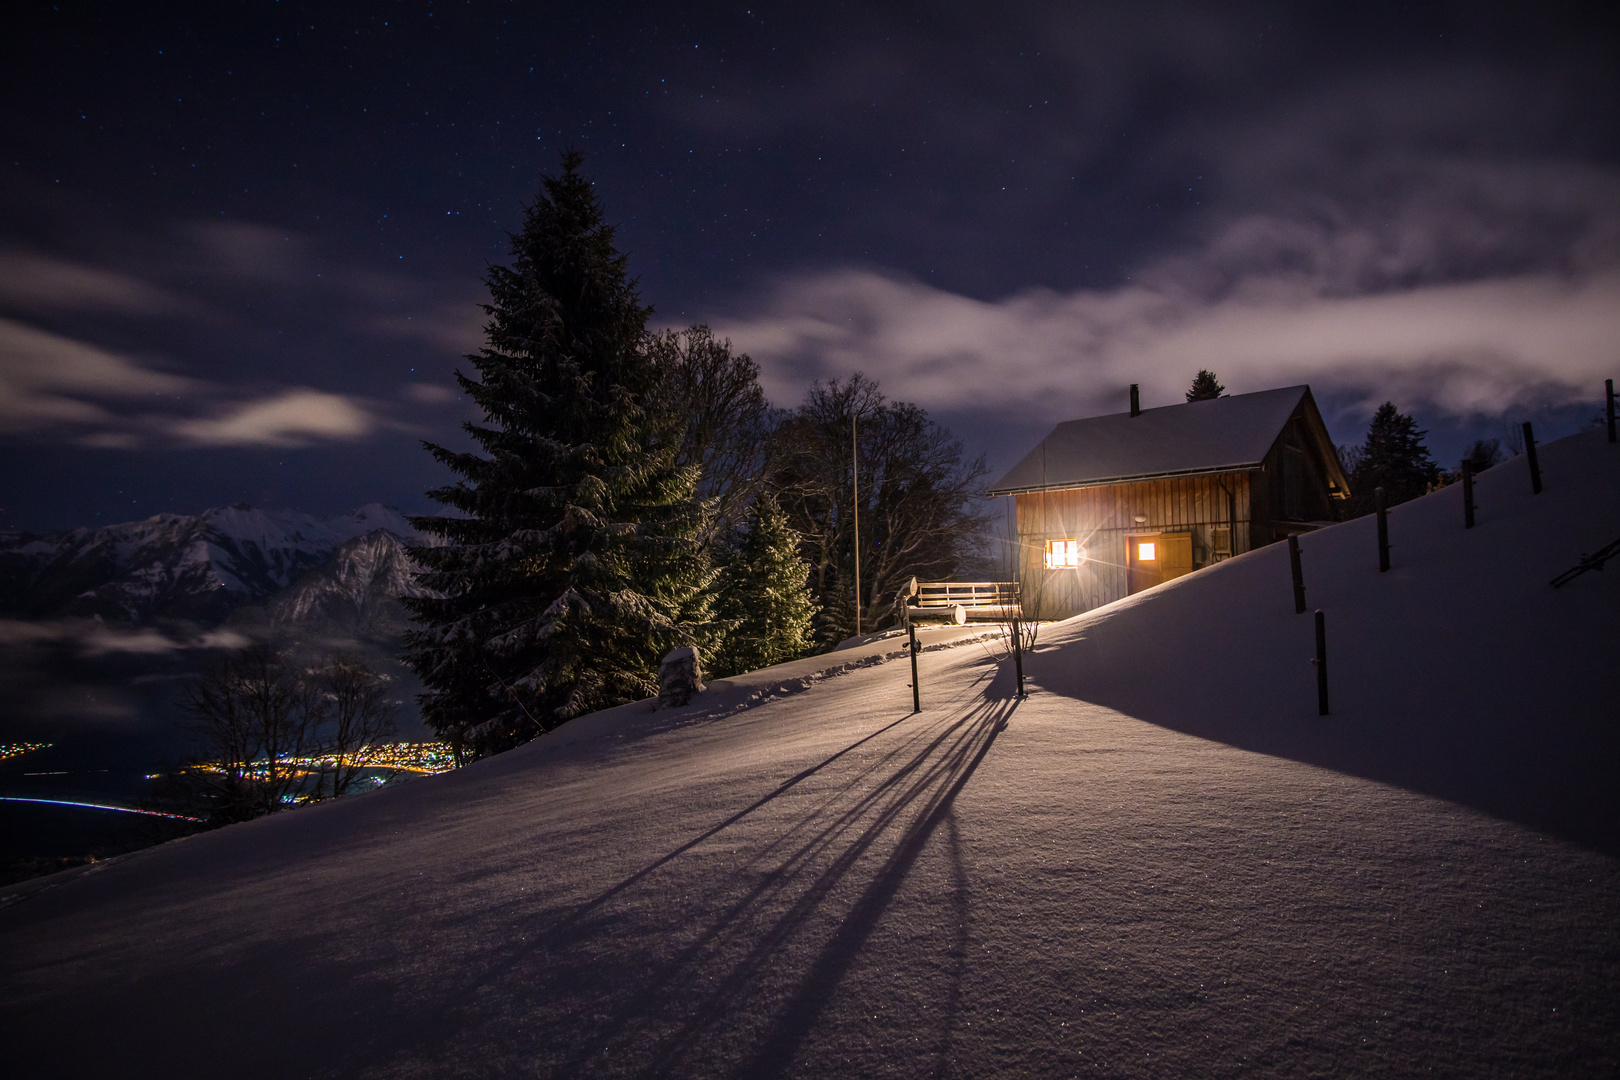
x=965, y=593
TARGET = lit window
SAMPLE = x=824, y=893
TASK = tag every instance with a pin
x=1145, y=553
x=1062, y=553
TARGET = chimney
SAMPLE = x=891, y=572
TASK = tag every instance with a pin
x=1136, y=401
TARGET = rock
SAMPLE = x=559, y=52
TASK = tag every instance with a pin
x=679, y=677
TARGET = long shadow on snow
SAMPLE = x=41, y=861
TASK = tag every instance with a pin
x=900, y=799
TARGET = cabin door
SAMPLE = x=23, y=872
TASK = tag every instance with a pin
x=1154, y=558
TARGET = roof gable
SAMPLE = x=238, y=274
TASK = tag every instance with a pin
x=1221, y=435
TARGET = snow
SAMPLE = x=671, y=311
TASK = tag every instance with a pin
x=1232, y=432
x=1161, y=863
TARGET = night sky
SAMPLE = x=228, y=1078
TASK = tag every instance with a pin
x=241, y=244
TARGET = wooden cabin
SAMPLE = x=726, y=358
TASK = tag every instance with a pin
x=1111, y=505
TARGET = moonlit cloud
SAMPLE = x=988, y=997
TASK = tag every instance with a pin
x=428, y=393
x=456, y=327
x=1467, y=348
x=251, y=251
x=294, y=417
x=47, y=380
x=38, y=283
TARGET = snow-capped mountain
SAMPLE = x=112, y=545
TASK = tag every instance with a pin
x=200, y=567
x=355, y=591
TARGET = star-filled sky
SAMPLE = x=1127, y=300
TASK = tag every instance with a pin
x=241, y=244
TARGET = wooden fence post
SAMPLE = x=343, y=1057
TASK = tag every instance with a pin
x=916, y=693
x=1468, y=494
x=1018, y=655
x=1530, y=452
x=1321, y=664
x=1383, y=530
x=1299, y=574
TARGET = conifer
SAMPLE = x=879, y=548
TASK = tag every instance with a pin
x=569, y=564
x=1205, y=387
x=1393, y=458
x=765, y=598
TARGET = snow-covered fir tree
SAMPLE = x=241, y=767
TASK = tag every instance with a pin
x=765, y=595
x=570, y=564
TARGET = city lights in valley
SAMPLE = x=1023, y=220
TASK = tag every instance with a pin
x=17, y=749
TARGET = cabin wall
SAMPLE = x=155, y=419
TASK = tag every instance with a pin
x=1291, y=487
x=1102, y=517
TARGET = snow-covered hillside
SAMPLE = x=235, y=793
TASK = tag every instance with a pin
x=1161, y=863
x=199, y=568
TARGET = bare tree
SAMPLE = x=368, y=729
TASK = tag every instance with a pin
x=722, y=415
x=919, y=512
x=358, y=715
x=257, y=717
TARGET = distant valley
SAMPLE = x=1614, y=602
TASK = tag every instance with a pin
x=101, y=627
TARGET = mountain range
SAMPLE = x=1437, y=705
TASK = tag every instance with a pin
x=273, y=569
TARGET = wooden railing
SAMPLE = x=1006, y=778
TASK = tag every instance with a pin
x=961, y=601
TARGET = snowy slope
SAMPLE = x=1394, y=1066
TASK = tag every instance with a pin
x=176, y=566
x=1460, y=672
x=795, y=876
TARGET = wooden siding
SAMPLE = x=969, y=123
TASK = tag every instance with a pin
x=1102, y=517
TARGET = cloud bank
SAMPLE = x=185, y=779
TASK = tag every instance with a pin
x=1467, y=348
x=1465, y=286
x=65, y=378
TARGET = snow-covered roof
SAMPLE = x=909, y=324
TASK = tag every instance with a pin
x=1222, y=435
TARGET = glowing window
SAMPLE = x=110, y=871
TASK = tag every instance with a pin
x=1062, y=553
x=1145, y=553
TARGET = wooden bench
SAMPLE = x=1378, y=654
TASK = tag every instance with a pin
x=961, y=602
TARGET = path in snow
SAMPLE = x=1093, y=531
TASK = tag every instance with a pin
x=824, y=885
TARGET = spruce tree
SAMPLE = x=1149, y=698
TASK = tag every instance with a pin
x=1205, y=387
x=569, y=565
x=1393, y=458
x=765, y=597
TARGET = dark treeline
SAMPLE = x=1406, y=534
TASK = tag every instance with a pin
x=1395, y=458
x=633, y=492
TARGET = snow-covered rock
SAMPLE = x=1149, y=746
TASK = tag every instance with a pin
x=680, y=676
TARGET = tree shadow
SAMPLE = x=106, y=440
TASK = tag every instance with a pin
x=793, y=924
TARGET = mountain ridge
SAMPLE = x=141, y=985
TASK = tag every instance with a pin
x=206, y=567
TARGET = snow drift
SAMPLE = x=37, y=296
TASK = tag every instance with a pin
x=1161, y=863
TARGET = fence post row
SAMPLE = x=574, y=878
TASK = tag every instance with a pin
x=916, y=692
x=1383, y=530
x=1321, y=664
x=1468, y=494
x=1018, y=655
x=1299, y=574
x=1608, y=386
x=1530, y=452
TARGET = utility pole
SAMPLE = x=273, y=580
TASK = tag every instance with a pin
x=855, y=502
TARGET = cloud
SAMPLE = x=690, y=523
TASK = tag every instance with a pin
x=1462, y=348
x=93, y=637
x=290, y=418
x=429, y=393
x=252, y=252
x=455, y=326
x=45, y=379
x=39, y=283
x=48, y=381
